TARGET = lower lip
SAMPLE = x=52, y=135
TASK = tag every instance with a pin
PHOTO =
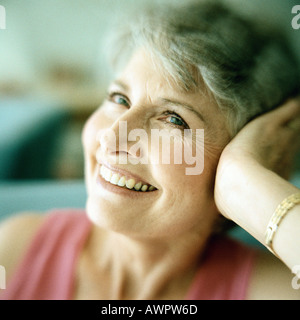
x=123, y=191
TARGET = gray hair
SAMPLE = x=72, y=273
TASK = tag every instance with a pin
x=247, y=69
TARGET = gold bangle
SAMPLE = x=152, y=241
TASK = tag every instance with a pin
x=280, y=212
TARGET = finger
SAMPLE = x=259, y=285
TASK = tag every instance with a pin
x=287, y=112
x=294, y=124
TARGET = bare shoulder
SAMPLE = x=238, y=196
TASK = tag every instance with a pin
x=16, y=234
x=271, y=280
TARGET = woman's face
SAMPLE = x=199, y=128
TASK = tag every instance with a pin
x=169, y=202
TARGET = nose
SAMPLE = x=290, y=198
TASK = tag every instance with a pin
x=119, y=141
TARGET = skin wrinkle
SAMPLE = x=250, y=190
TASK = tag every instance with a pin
x=149, y=245
x=126, y=88
x=142, y=225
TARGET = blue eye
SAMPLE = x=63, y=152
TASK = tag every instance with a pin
x=121, y=100
x=118, y=98
x=175, y=120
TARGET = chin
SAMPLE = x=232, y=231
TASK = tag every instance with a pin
x=119, y=219
x=103, y=214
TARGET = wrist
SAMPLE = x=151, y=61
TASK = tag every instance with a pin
x=248, y=193
x=231, y=176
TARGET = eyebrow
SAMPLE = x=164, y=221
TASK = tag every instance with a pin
x=120, y=84
x=184, y=105
x=165, y=101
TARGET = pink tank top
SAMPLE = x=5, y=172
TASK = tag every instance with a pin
x=47, y=271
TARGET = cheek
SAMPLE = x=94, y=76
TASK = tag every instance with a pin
x=187, y=201
x=181, y=161
x=97, y=122
x=184, y=189
x=88, y=135
x=174, y=177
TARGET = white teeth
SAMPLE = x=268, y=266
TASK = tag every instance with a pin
x=107, y=175
x=144, y=188
x=130, y=183
x=138, y=186
x=122, y=182
x=116, y=179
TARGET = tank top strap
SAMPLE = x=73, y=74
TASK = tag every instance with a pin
x=224, y=272
x=47, y=269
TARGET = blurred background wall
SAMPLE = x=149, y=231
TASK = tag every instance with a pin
x=52, y=57
x=53, y=74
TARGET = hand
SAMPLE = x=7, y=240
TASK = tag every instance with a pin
x=252, y=174
x=265, y=146
x=272, y=140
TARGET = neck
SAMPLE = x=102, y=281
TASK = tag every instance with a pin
x=143, y=268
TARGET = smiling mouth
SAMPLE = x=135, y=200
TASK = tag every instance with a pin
x=123, y=181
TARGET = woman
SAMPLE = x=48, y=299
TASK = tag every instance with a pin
x=151, y=227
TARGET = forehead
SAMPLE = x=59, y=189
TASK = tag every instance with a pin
x=146, y=71
x=144, y=67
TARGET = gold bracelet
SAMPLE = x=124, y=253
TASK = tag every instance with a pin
x=280, y=212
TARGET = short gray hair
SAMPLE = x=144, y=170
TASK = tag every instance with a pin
x=247, y=69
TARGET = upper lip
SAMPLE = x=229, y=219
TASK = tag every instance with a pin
x=123, y=172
